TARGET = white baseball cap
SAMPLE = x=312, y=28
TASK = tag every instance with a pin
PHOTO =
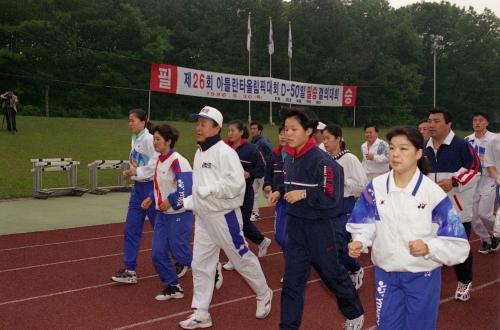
x=210, y=113
x=320, y=126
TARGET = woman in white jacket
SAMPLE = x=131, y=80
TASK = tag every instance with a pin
x=413, y=230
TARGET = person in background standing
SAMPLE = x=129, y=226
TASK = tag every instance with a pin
x=375, y=153
x=10, y=108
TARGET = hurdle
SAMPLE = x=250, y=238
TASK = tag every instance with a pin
x=97, y=165
x=68, y=165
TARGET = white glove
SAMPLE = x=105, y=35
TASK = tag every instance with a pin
x=204, y=191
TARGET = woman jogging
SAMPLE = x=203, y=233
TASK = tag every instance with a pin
x=354, y=182
x=142, y=165
x=413, y=229
x=254, y=168
x=313, y=188
x=173, y=179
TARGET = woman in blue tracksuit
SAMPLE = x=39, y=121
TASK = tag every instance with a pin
x=413, y=230
x=173, y=180
x=313, y=187
x=274, y=176
x=354, y=181
x=142, y=165
x=254, y=168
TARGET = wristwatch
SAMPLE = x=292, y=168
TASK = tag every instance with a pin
x=454, y=182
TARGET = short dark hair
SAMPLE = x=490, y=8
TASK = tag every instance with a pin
x=240, y=125
x=306, y=117
x=422, y=121
x=282, y=127
x=444, y=111
x=258, y=124
x=416, y=139
x=168, y=133
x=371, y=125
x=482, y=114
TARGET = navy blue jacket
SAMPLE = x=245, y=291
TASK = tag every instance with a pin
x=322, y=178
x=274, y=169
x=265, y=147
x=251, y=159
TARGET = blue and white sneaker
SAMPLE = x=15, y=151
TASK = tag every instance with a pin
x=125, y=276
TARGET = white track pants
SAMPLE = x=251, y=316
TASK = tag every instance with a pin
x=482, y=212
x=215, y=231
x=258, y=184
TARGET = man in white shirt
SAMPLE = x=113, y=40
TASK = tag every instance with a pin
x=484, y=196
x=217, y=195
x=375, y=153
x=492, y=164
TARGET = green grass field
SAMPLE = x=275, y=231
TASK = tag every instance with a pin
x=86, y=140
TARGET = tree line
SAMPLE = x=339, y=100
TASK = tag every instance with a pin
x=91, y=58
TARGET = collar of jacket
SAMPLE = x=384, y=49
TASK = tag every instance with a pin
x=307, y=147
x=231, y=144
x=277, y=150
x=163, y=158
x=209, y=142
x=340, y=154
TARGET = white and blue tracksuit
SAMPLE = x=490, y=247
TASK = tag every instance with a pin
x=483, y=218
x=387, y=218
x=354, y=181
x=173, y=180
x=274, y=178
x=312, y=235
x=143, y=156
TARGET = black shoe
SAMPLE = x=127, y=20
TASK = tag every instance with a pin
x=495, y=243
x=171, y=291
x=181, y=270
x=485, y=248
x=218, y=276
x=125, y=276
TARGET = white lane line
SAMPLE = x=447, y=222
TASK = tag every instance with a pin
x=89, y=258
x=82, y=240
x=66, y=242
x=451, y=298
x=68, y=291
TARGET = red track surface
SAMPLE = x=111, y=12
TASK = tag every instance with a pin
x=60, y=280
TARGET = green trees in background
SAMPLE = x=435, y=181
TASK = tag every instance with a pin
x=91, y=58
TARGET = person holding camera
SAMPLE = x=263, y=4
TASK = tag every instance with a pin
x=9, y=105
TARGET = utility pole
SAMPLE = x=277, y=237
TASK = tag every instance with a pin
x=437, y=44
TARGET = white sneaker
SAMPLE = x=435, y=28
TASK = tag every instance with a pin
x=228, y=266
x=463, y=291
x=357, y=278
x=196, y=322
x=218, y=276
x=264, y=305
x=355, y=324
x=255, y=216
x=263, y=247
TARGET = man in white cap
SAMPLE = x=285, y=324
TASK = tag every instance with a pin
x=318, y=136
x=218, y=192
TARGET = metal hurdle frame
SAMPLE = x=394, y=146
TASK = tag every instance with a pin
x=96, y=165
x=41, y=165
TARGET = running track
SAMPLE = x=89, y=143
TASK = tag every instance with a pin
x=60, y=280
